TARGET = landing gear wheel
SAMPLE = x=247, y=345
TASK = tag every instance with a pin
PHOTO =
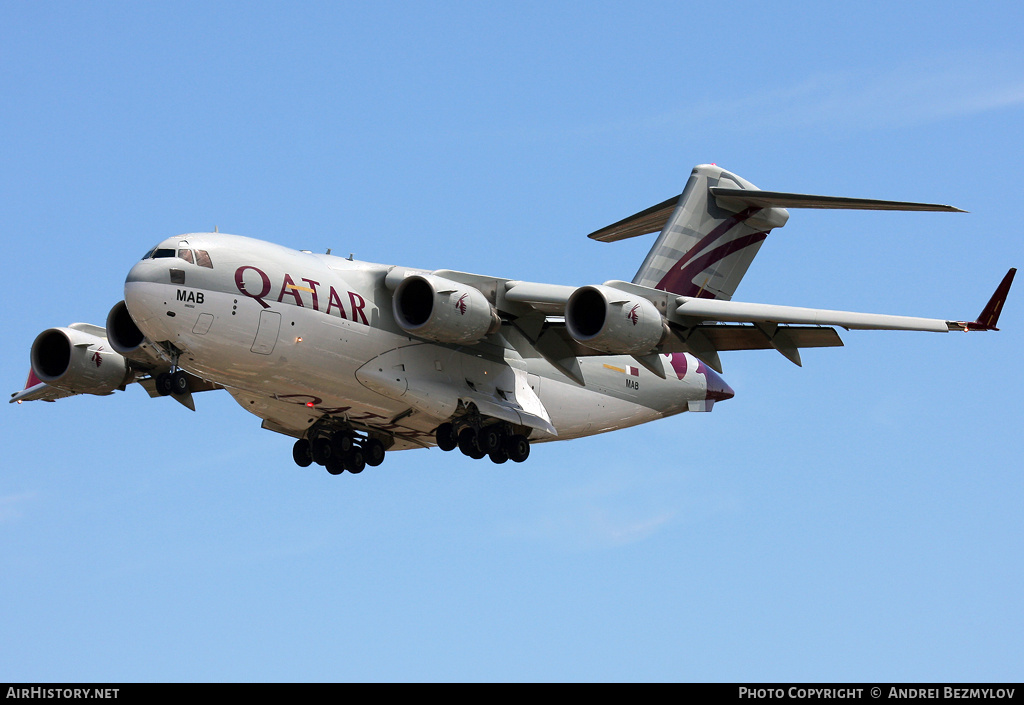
x=335, y=466
x=323, y=451
x=342, y=441
x=354, y=461
x=445, y=437
x=302, y=453
x=518, y=448
x=489, y=439
x=164, y=384
x=373, y=451
x=498, y=456
x=467, y=442
x=179, y=384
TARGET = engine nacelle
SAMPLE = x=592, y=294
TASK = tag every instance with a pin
x=443, y=310
x=614, y=321
x=126, y=338
x=78, y=362
x=122, y=333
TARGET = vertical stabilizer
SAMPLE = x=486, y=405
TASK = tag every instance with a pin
x=706, y=247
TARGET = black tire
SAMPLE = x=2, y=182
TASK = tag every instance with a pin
x=445, y=437
x=179, y=384
x=335, y=466
x=164, y=384
x=302, y=453
x=323, y=451
x=467, y=442
x=498, y=456
x=354, y=461
x=373, y=451
x=342, y=441
x=489, y=439
x=518, y=448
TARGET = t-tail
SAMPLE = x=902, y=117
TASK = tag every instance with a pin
x=712, y=231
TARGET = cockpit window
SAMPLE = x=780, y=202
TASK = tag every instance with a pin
x=198, y=257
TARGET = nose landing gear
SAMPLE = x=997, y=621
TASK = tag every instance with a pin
x=175, y=383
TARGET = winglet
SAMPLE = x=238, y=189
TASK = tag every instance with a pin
x=989, y=315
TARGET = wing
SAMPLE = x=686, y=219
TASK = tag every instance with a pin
x=703, y=327
x=81, y=359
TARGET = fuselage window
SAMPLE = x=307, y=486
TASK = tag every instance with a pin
x=185, y=255
x=203, y=259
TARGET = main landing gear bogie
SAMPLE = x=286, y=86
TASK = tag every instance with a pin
x=339, y=452
x=496, y=441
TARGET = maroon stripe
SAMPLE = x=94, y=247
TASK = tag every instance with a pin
x=717, y=232
x=680, y=280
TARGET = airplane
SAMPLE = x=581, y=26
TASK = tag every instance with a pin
x=354, y=359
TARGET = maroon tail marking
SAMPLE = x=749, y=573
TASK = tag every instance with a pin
x=680, y=280
x=676, y=280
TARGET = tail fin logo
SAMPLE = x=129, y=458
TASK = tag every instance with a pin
x=634, y=314
x=461, y=304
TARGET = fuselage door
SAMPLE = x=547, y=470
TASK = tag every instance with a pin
x=266, y=335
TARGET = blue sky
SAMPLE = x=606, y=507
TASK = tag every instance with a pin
x=855, y=519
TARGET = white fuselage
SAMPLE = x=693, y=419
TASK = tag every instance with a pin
x=294, y=336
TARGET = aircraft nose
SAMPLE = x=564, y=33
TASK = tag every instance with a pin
x=147, y=270
x=717, y=388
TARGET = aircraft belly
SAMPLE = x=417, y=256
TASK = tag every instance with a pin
x=577, y=411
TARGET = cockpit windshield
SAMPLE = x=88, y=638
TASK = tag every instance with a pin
x=197, y=257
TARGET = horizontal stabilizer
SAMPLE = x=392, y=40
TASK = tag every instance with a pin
x=737, y=198
x=649, y=220
x=653, y=219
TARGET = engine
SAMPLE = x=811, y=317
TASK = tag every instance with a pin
x=78, y=362
x=443, y=310
x=122, y=333
x=614, y=321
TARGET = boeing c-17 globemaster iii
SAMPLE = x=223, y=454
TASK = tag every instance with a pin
x=354, y=360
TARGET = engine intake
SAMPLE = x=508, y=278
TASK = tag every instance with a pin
x=122, y=333
x=443, y=310
x=613, y=321
x=78, y=362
